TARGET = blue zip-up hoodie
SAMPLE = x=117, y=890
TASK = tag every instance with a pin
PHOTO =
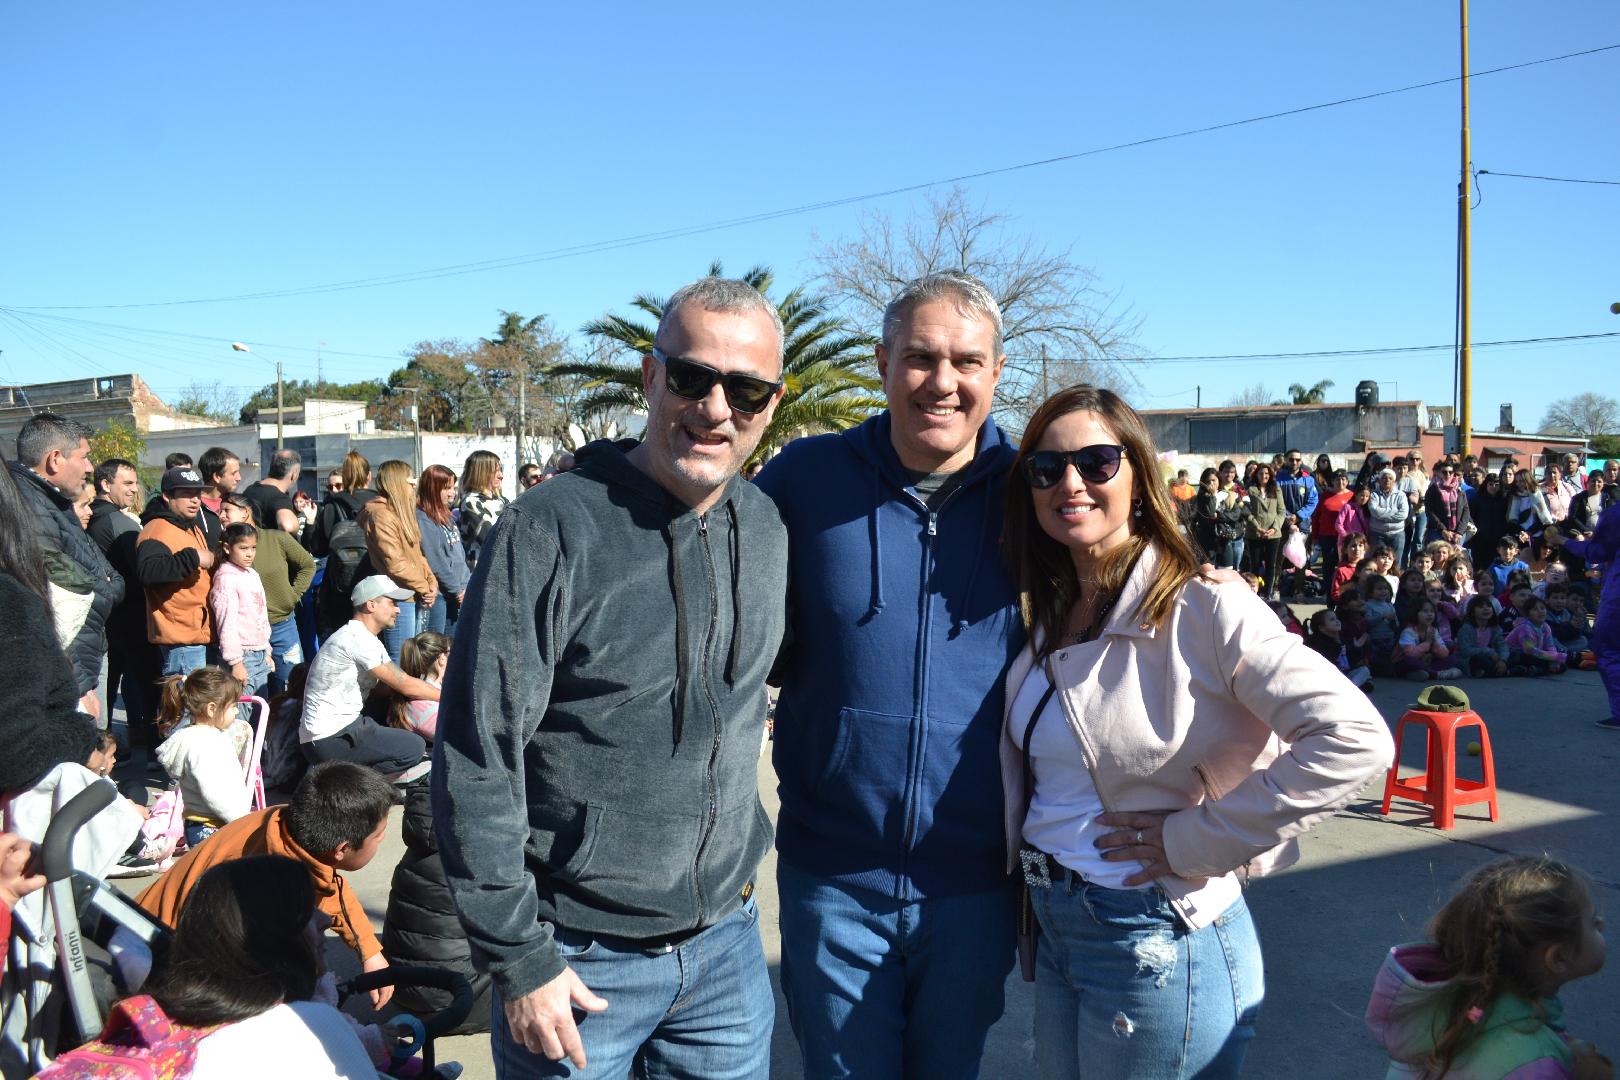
x=1299, y=494
x=902, y=625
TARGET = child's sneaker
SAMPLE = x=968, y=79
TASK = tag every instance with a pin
x=1587, y=662
x=1451, y=673
x=1609, y=724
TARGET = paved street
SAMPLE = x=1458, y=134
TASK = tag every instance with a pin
x=1365, y=882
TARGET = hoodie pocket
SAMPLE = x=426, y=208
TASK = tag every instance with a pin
x=860, y=791
x=634, y=864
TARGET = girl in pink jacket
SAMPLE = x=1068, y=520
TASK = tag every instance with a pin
x=241, y=616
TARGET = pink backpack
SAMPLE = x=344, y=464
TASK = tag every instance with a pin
x=139, y=1041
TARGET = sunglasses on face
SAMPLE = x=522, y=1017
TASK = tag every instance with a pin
x=1096, y=464
x=691, y=380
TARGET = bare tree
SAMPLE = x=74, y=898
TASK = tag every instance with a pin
x=1252, y=395
x=1059, y=326
x=1586, y=414
x=214, y=400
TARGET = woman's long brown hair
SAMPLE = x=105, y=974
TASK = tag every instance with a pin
x=394, y=485
x=1042, y=571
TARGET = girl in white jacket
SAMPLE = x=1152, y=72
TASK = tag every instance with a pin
x=203, y=748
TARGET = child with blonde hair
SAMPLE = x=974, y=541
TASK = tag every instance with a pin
x=1480, y=1001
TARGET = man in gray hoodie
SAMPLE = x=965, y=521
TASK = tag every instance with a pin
x=594, y=770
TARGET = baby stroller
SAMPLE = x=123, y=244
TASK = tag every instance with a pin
x=91, y=919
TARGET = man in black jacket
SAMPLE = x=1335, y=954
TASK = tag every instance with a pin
x=132, y=661
x=594, y=783
x=53, y=461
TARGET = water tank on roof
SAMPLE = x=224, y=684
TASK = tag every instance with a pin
x=1366, y=394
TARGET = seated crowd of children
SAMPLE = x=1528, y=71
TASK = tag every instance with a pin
x=1439, y=619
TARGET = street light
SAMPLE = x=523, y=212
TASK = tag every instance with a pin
x=239, y=347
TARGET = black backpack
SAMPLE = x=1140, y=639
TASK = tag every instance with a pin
x=347, y=560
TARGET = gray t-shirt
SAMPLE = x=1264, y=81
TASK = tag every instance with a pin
x=339, y=680
x=934, y=487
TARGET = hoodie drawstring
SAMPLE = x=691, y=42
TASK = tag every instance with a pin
x=681, y=672
x=736, y=597
x=876, y=537
x=986, y=523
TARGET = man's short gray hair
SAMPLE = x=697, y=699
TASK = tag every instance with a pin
x=282, y=464
x=45, y=432
x=728, y=295
x=970, y=295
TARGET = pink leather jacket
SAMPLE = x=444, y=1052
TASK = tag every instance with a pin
x=1220, y=715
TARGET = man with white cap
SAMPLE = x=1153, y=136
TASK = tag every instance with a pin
x=351, y=662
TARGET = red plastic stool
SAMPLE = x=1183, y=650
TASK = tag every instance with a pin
x=1438, y=785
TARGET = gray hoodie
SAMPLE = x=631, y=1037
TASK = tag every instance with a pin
x=602, y=711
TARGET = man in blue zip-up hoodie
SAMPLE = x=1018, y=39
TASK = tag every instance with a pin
x=897, y=914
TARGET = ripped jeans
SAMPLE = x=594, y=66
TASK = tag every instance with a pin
x=1124, y=991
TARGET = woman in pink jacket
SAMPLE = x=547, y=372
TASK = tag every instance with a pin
x=241, y=615
x=1164, y=737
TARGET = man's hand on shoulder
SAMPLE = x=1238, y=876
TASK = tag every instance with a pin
x=543, y=1019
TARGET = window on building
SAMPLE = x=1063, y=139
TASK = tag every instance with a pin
x=1237, y=435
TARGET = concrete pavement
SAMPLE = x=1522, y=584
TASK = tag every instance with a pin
x=1364, y=883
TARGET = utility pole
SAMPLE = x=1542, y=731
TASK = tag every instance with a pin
x=416, y=418
x=1465, y=358
x=280, y=408
x=523, y=415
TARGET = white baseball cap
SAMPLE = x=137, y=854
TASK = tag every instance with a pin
x=378, y=585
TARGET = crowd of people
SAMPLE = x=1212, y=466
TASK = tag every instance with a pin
x=567, y=691
x=1462, y=573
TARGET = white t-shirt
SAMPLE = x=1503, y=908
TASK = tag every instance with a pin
x=306, y=1039
x=339, y=680
x=1065, y=800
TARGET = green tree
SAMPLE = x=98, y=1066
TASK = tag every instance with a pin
x=122, y=440
x=1300, y=394
x=827, y=366
x=296, y=390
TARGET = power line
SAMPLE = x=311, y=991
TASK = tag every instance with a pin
x=1321, y=354
x=1554, y=179
x=510, y=262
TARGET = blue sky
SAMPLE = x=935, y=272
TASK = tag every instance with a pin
x=190, y=151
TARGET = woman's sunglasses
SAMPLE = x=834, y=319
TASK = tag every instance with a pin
x=1096, y=464
x=691, y=380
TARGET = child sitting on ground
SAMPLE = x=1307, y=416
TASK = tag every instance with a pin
x=1458, y=581
x=1285, y=615
x=1410, y=591
x=1422, y=562
x=334, y=823
x=1570, y=635
x=1532, y=649
x=202, y=748
x=1352, y=613
x=425, y=657
x=1516, y=600
x=1352, y=550
x=1507, y=561
x=1481, y=643
x=1382, y=626
x=1384, y=556
x=1446, y=615
x=1480, y=1001
x=1421, y=656
x=1326, y=637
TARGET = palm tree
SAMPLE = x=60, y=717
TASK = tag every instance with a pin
x=1315, y=395
x=826, y=366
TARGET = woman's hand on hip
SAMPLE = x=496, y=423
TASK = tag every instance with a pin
x=1138, y=835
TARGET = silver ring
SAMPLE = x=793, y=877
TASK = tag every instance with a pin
x=1138, y=836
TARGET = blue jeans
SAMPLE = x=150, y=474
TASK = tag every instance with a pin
x=891, y=989
x=436, y=618
x=1124, y=990
x=403, y=630
x=1396, y=542
x=286, y=653
x=182, y=660
x=257, y=663
x=702, y=1010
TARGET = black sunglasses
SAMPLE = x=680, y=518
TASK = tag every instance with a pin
x=1096, y=464
x=693, y=381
